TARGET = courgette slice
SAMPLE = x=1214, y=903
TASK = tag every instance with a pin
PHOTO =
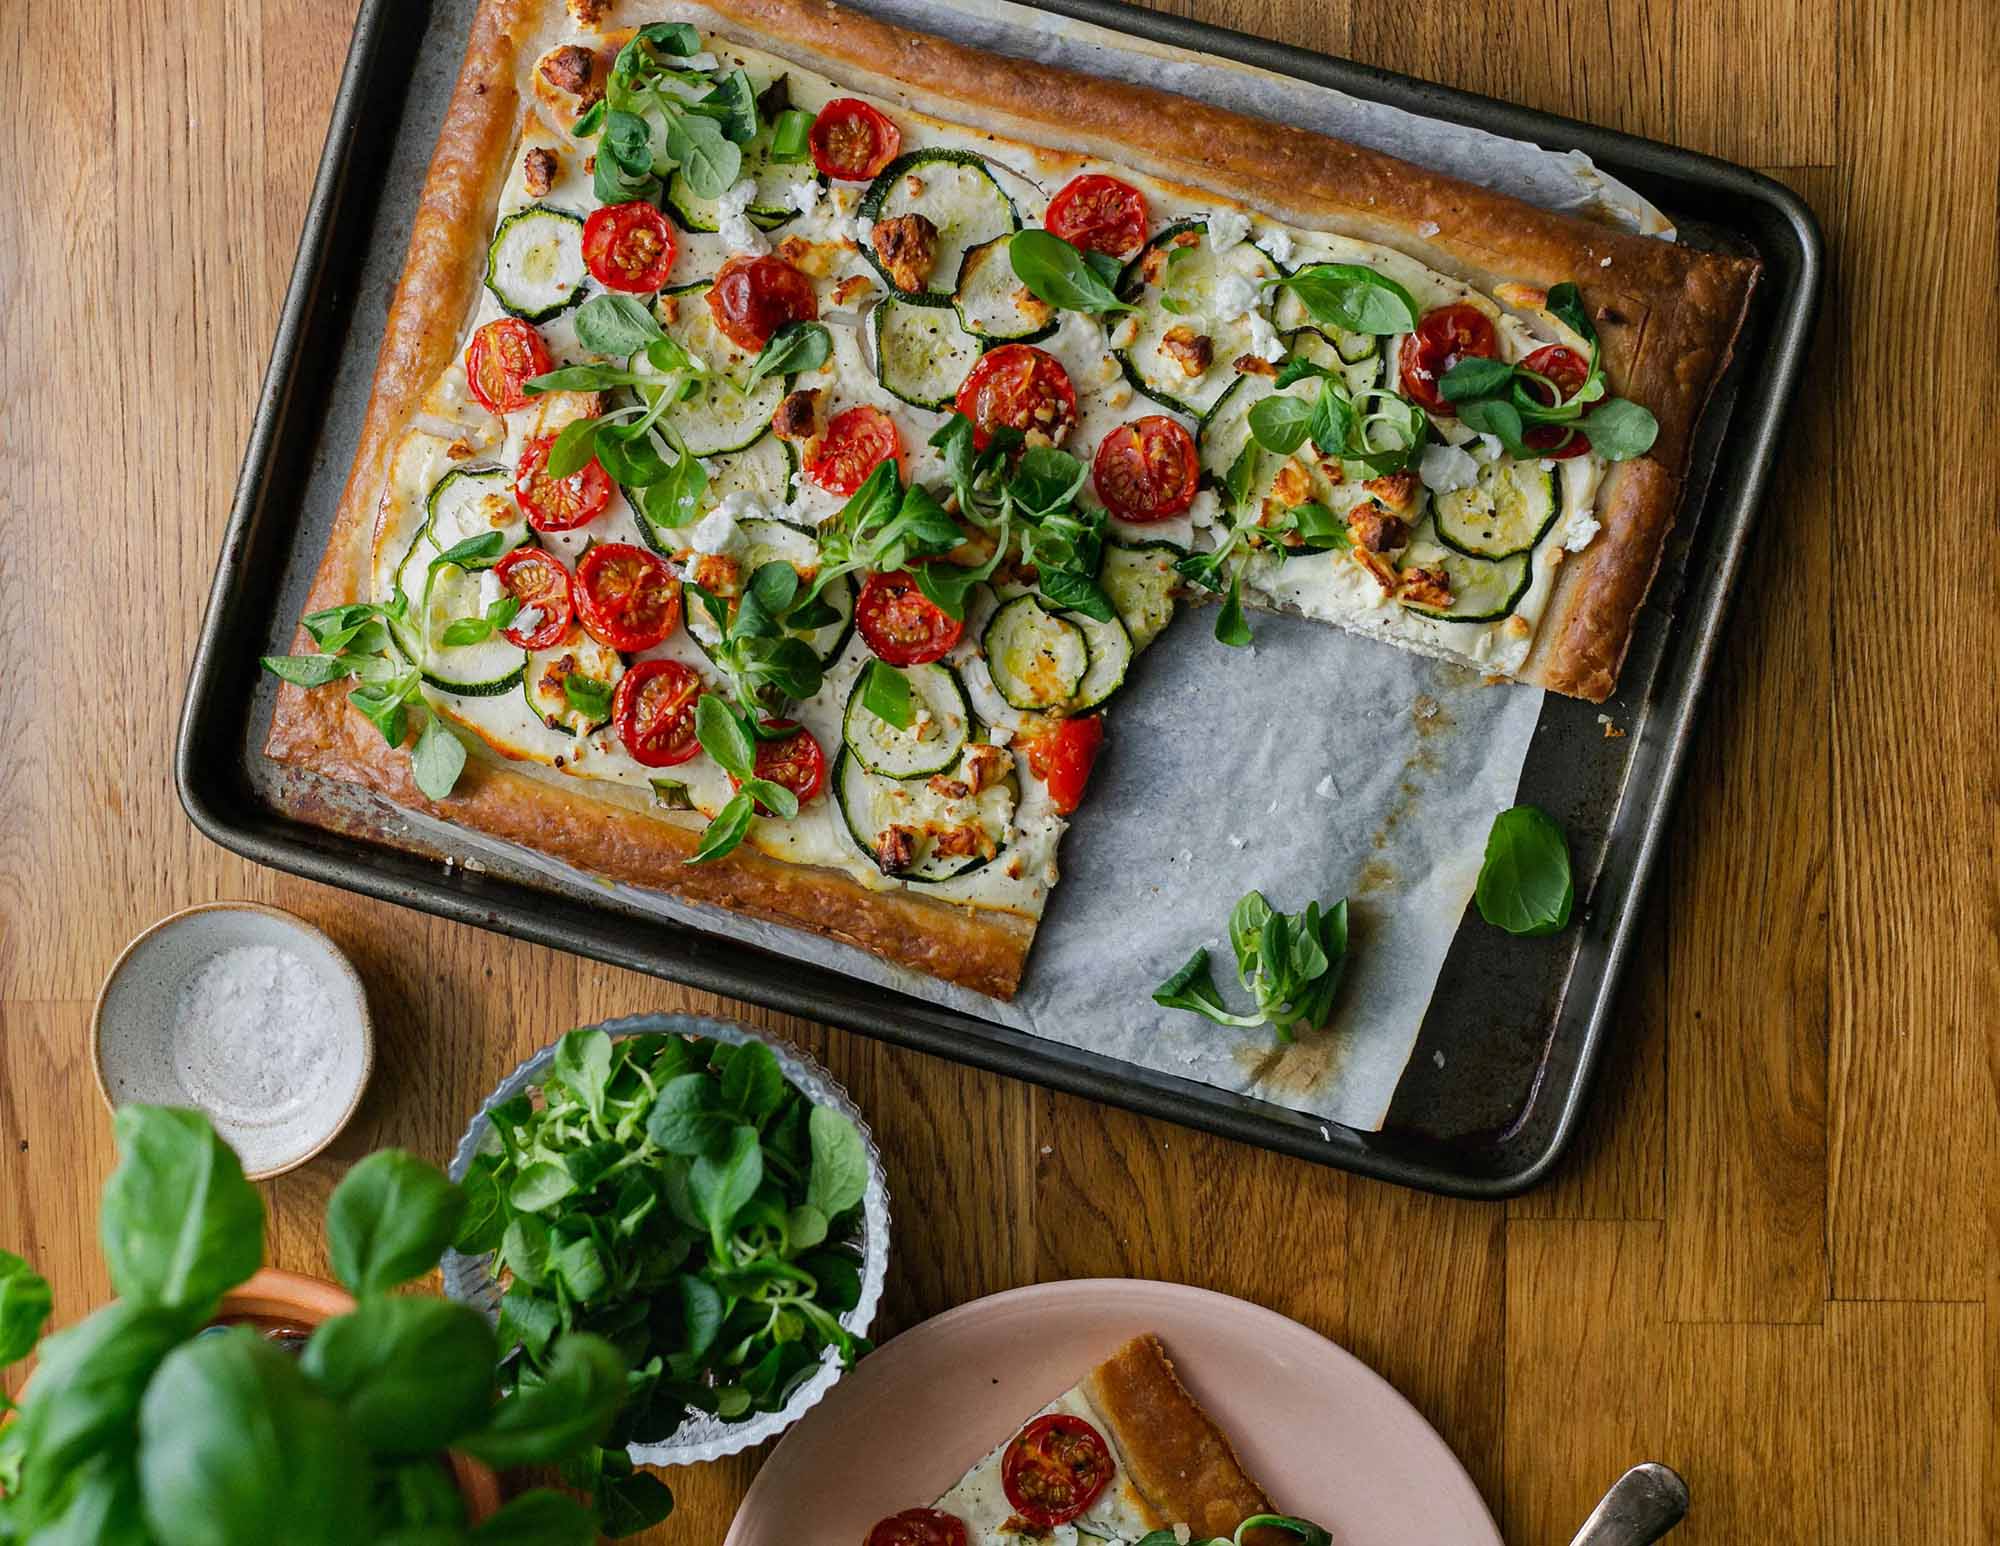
x=716, y=416
x=470, y=502
x=772, y=541
x=1357, y=357
x=1036, y=659
x=1192, y=287
x=770, y=206
x=1506, y=510
x=1111, y=650
x=535, y=266
x=957, y=192
x=1140, y=580
x=939, y=726
x=991, y=301
x=481, y=670
x=766, y=469
x=1482, y=590
x=1224, y=434
x=921, y=353
x=549, y=699
x=870, y=805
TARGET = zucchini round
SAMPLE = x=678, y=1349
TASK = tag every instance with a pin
x=921, y=353
x=1506, y=510
x=1111, y=650
x=542, y=682
x=937, y=732
x=482, y=670
x=716, y=416
x=1036, y=660
x=957, y=192
x=770, y=206
x=1140, y=580
x=1482, y=590
x=535, y=266
x=870, y=805
x=470, y=502
x=991, y=301
x=1189, y=291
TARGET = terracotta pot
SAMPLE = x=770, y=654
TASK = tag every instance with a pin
x=292, y=1296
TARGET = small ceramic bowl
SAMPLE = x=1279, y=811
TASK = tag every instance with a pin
x=702, y=1437
x=276, y=1110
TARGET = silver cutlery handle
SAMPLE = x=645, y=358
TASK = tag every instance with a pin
x=1642, y=1505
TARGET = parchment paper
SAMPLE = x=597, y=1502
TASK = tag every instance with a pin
x=1314, y=766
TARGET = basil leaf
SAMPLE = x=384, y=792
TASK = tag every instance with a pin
x=385, y=708
x=753, y=1084
x=1475, y=376
x=1299, y=368
x=503, y=611
x=1231, y=627
x=466, y=630
x=1241, y=478
x=1055, y=272
x=591, y=122
x=722, y=1182
x=615, y=324
x=1319, y=527
x=722, y=735
x=588, y=696
x=1193, y=988
x=389, y=1221
x=1331, y=426
x=885, y=693
x=771, y=799
x=678, y=38
x=1353, y=297
x=466, y=553
x=708, y=159
x=437, y=759
x=795, y=347
x=1046, y=479
x=179, y=1224
x=1279, y=423
x=773, y=587
x=583, y=1062
x=635, y=463
x=839, y=1162
x=728, y=829
x=1524, y=883
x=307, y=670
x=675, y=500
x=25, y=1305
x=791, y=136
x=410, y=1374
x=571, y=1408
x=1620, y=429
x=579, y=378
x=1070, y=591
x=685, y=1118
x=947, y=586
x=1566, y=306
x=733, y=104
x=1492, y=416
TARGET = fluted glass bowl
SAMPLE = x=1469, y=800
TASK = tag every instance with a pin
x=702, y=1436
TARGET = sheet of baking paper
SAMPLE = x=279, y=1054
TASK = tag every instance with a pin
x=1318, y=765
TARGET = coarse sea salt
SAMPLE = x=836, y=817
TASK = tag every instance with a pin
x=254, y=1032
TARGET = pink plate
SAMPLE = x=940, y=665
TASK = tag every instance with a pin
x=1329, y=1438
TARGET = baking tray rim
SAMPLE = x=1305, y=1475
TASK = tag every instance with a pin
x=1749, y=441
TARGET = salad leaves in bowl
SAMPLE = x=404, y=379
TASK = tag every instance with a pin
x=708, y=1202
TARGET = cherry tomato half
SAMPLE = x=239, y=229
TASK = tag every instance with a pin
x=1443, y=338
x=626, y=598
x=1020, y=387
x=856, y=441
x=853, y=141
x=558, y=504
x=753, y=297
x=1568, y=370
x=1062, y=757
x=795, y=762
x=1098, y=214
x=901, y=624
x=629, y=247
x=1147, y=470
x=1055, y=1468
x=537, y=579
x=501, y=358
x=919, y=1527
x=654, y=711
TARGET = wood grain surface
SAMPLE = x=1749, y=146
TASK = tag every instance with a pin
x=1772, y=1261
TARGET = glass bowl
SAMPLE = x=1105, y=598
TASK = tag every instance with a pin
x=702, y=1436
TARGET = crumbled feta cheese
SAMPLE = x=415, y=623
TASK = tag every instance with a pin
x=863, y=231
x=1445, y=468
x=1580, y=534
x=1235, y=296
x=734, y=225
x=1278, y=243
x=804, y=196
x=490, y=588
x=527, y=620
x=1205, y=509
x=1489, y=448
x=1429, y=228
x=999, y=735
x=1227, y=228
x=717, y=532
x=1264, y=340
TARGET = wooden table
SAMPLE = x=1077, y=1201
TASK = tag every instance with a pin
x=1774, y=1260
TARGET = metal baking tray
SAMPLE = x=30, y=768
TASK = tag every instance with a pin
x=1503, y=1063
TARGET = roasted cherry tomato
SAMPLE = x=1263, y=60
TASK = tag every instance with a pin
x=1443, y=338
x=501, y=358
x=753, y=297
x=1062, y=757
x=901, y=624
x=1017, y=386
x=1099, y=214
x=626, y=598
x=1147, y=470
x=857, y=440
x=558, y=504
x=537, y=579
x=654, y=711
x=1568, y=370
x=1057, y=1465
x=795, y=762
x=919, y=1527
x=852, y=141
x=628, y=247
